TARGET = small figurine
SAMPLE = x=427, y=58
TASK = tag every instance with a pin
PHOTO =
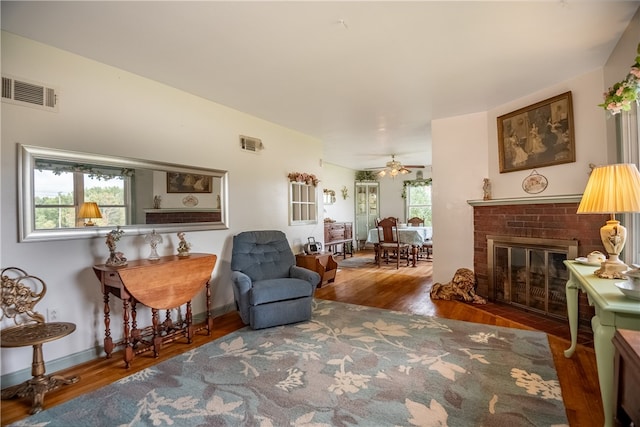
x=157, y=200
x=486, y=188
x=116, y=259
x=183, y=246
x=153, y=239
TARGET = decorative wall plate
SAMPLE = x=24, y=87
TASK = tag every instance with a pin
x=190, y=201
x=534, y=183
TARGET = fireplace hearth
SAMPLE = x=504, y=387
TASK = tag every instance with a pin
x=529, y=273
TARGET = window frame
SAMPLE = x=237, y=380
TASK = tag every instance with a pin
x=303, y=203
x=79, y=198
x=628, y=141
x=406, y=194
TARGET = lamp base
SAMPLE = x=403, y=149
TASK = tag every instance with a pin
x=612, y=268
x=613, y=237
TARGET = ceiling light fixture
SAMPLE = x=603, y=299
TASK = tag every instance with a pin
x=393, y=168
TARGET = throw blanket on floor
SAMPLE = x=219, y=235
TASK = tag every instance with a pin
x=350, y=365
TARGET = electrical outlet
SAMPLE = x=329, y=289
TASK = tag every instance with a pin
x=52, y=314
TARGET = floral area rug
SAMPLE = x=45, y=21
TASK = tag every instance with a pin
x=350, y=365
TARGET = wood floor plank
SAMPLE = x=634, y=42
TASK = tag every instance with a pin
x=406, y=289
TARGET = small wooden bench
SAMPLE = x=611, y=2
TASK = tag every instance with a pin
x=347, y=247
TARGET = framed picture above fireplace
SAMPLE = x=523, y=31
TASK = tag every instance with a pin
x=539, y=135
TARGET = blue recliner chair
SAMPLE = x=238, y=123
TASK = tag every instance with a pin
x=268, y=287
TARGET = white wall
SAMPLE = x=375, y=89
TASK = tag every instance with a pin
x=343, y=210
x=108, y=111
x=459, y=167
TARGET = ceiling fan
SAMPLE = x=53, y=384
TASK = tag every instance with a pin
x=394, y=168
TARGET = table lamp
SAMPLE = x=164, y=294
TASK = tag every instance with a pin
x=612, y=189
x=89, y=210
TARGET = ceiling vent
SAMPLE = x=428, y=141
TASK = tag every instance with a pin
x=29, y=94
x=253, y=145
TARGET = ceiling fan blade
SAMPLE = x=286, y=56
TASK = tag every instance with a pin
x=414, y=166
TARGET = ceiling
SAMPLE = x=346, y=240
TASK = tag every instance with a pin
x=365, y=77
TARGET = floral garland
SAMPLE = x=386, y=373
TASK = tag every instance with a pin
x=622, y=94
x=414, y=183
x=96, y=173
x=366, y=176
x=307, y=178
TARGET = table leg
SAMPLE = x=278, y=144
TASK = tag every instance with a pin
x=135, y=332
x=108, y=341
x=209, y=317
x=40, y=384
x=572, y=313
x=602, y=336
x=189, y=323
x=128, y=350
x=157, y=339
x=414, y=255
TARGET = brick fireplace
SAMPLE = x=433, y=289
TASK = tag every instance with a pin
x=534, y=218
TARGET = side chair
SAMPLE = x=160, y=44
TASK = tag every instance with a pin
x=427, y=246
x=20, y=293
x=388, y=241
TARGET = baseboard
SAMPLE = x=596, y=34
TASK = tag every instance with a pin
x=88, y=355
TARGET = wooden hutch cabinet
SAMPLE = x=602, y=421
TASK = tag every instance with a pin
x=367, y=206
x=339, y=233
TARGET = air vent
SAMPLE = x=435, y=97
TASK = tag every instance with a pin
x=253, y=145
x=29, y=94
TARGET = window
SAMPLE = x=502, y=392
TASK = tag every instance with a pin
x=417, y=195
x=302, y=204
x=628, y=124
x=60, y=190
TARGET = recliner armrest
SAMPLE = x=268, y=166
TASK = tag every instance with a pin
x=241, y=286
x=305, y=274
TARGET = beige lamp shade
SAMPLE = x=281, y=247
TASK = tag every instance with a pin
x=89, y=210
x=612, y=189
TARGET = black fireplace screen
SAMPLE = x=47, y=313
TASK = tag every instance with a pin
x=529, y=273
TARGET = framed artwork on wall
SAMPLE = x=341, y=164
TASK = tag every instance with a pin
x=188, y=183
x=539, y=135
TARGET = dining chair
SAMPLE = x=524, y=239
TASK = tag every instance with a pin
x=388, y=241
x=426, y=250
x=427, y=247
x=415, y=222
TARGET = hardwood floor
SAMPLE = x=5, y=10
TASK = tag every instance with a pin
x=406, y=289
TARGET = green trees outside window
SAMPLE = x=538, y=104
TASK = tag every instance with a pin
x=59, y=194
x=417, y=195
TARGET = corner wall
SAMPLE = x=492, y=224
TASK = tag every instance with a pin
x=459, y=166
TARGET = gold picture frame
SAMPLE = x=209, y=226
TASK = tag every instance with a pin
x=189, y=183
x=536, y=136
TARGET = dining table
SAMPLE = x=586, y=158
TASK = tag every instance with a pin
x=415, y=236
